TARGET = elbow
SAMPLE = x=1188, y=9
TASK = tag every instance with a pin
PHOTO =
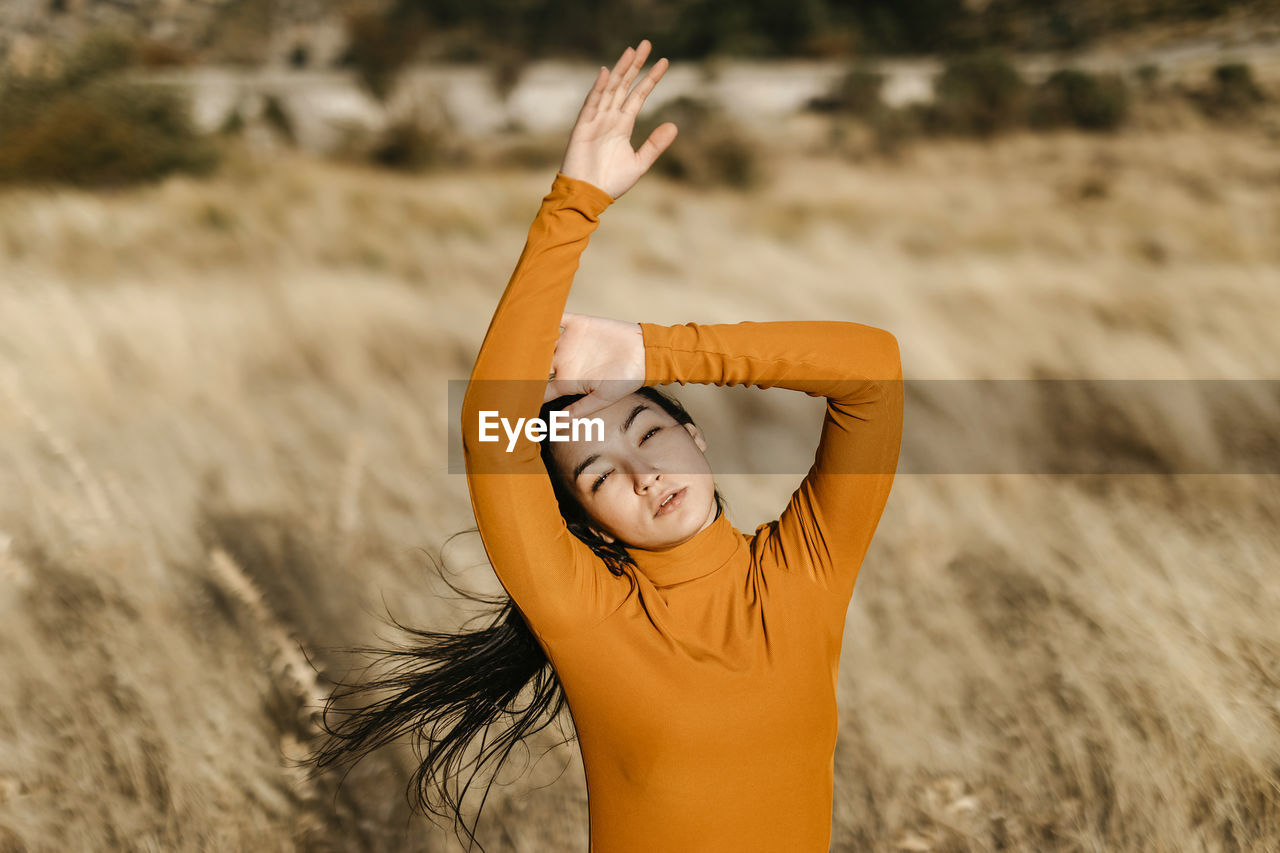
x=892, y=357
x=877, y=351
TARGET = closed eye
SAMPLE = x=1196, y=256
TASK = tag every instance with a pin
x=599, y=481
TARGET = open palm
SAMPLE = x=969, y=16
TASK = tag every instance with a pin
x=599, y=150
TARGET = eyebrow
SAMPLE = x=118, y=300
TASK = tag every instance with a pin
x=626, y=425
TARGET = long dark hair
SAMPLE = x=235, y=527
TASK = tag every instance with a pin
x=445, y=690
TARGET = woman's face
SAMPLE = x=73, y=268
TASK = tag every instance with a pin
x=645, y=456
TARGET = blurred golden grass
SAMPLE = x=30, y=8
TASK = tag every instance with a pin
x=224, y=433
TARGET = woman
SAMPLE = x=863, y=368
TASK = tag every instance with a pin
x=699, y=663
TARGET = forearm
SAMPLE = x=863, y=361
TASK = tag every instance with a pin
x=842, y=361
x=552, y=576
x=511, y=368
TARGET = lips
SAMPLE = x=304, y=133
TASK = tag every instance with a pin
x=672, y=504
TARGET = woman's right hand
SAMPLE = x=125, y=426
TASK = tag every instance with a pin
x=599, y=150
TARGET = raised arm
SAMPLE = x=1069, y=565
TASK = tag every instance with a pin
x=828, y=524
x=557, y=582
x=555, y=579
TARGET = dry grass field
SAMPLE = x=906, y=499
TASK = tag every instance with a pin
x=223, y=443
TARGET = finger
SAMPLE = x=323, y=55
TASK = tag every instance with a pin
x=615, y=77
x=661, y=138
x=636, y=99
x=592, y=102
x=637, y=62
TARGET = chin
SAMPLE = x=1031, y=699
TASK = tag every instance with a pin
x=694, y=521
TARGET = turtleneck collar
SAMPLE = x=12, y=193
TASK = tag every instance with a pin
x=710, y=549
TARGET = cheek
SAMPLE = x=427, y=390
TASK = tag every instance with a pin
x=612, y=508
x=684, y=456
x=695, y=461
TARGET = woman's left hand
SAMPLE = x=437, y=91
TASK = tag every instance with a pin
x=599, y=150
x=596, y=356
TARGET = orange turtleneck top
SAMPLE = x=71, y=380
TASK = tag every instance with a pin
x=704, y=693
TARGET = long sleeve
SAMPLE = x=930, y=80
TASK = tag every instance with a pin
x=553, y=577
x=828, y=524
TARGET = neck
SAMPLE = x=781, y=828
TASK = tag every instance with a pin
x=708, y=550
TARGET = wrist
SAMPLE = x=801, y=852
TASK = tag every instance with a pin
x=589, y=197
x=581, y=171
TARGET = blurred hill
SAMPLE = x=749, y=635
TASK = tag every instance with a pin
x=308, y=33
x=317, y=33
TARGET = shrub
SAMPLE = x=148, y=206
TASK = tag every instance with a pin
x=105, y=135
x=1074, y=98
x=886, y=132
x=416, y=140
x=895, y=128
x=507, y=67
x=977, y=94
x=153, y=53
x=1148, y=74
x=90, y=126
x=410, y=146
x=534, y=153
x=856, y=93
x=277, y=117
x=859, y=92
x=380, y=46
x=1232, y=93
x=710, y=149
x=101, y=53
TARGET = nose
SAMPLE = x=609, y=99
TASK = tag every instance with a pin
x=648, y=479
